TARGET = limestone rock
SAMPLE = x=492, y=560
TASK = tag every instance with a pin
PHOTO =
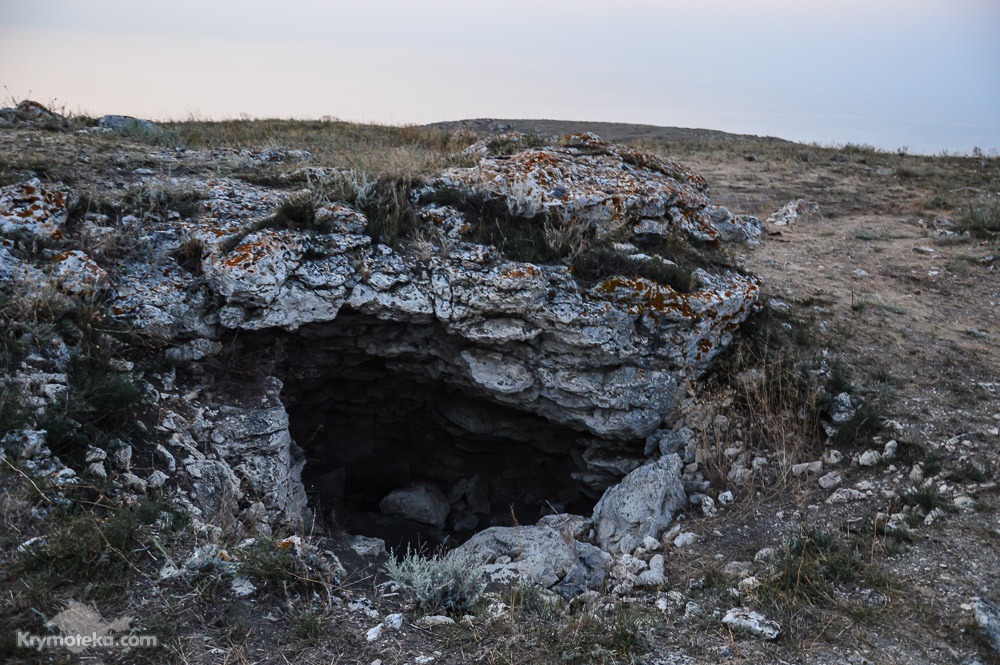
x=987, y=615
x=125, y=123
x=34, y=210
x=793, y=211
x=754, y=623
x=423, y=503
x=537, y=554
x=642, y=504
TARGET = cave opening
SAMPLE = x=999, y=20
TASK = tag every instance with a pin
x=396, y=451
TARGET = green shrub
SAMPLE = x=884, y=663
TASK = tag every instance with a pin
x=981, y=218
x=451, y=583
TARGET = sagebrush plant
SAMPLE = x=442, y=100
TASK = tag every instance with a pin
x=981, y=218
x=452, y=583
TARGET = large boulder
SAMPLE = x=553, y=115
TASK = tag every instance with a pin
x=547, y=554
x=423, y=503
x=642, y=504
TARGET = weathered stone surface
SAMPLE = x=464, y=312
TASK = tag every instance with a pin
x=987, y=615
x=77, y=273
x=642, y=504
x=127, y=124
x=31, y=209
x=424, y=503
x=793, y=211
x=541, y=554
x=597, y=357
x=754, y=623
x=602, y=359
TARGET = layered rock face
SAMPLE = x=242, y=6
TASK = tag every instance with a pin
x=572, y=361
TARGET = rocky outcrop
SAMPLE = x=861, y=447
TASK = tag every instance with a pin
x=575, y=361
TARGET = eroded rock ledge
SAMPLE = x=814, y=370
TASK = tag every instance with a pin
x=592, y=356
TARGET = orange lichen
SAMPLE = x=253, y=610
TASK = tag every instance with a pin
x=523, y=271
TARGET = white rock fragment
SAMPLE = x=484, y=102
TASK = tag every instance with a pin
x=654, y=576
x=831, y=480
x=754, y=623
x=832, y=457
x=375, y=632
x=726, y=498
x=766, y=555
x=890, y=449
x=241, y=586
x=963, y=502
x=156, y=479
x=987, y=616
x=684, y=539
x=933, y=516
x=807, y=467
x=394, y=621
x=870, y=458
x=846, y=494
x=435, y=620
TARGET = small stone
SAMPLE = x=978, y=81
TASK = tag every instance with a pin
x=95, y=455
x=394, y=621
x=754, y=623
x=832, y=457
x=846, y=494
x=870, y=458
x=122, y=457
x=726, y=498
x=167, y=457
x=923, y=250
x=423, y=660
x=860, y=274
x=363, y=605
x=364, y=546
x=684, y=539
x=917, y=473
x=890, y=449
x=766, y=555
x=241, y=586
x=133, y=483
x=737, y=569
x=374, y=633
x=422, y=503
x=964, y=502
x=708, y=508
x=933, y=516
x=987, y=615
x=434, y=620
x=807, y=467
x=97, y=470
x=831, y=480
x=748, y=584
x=157, y=479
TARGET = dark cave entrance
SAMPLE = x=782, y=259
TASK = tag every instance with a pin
x=396, y=452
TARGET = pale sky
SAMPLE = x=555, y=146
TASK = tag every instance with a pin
x=920, y=74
